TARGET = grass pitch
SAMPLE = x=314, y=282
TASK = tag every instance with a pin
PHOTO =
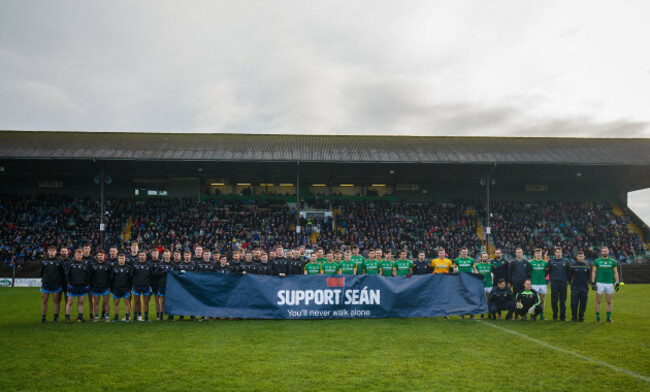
x=323, y=355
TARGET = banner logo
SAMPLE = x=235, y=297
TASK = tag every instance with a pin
x=336, y=282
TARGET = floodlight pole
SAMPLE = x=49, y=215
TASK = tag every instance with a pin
x=298, y=228
x=488, y=229
x=101, y=217
x=487, y=213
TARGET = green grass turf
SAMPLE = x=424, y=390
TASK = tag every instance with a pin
x=314, y=355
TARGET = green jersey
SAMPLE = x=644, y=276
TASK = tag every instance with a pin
x=403, y=267
x=330, y=268
x=387, y=267
x=371, y=267
x=347, y=267
x=313, y=268
x=321, y=260
x=485, y=269
x=464, y=264
x=538, y=272
x=359, y=260
x=605, y=270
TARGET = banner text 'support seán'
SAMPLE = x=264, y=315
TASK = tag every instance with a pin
x=323, y=296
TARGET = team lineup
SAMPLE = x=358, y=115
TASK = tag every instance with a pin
x=517, y=287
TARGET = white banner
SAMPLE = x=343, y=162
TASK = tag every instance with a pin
x=26, y=282
x=50, y=184
x=408, y=187
x=536, y=188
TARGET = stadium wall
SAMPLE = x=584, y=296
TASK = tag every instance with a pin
x=437, y=190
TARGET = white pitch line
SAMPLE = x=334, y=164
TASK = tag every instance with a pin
x=560, y=349
x=22, y=292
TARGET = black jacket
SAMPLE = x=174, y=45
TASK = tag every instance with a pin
x=65, y=263
x=421, y=267
x=51, y=271
x=121, y=278
x=142, y=274
x=89, y=261
x=235, y=267
x=528, y=298
x=160, y=273
x=112, y=262
x=264, y=269
x=204, y=267
x=518, y=271
x=500, y=270
x=187, y=267
x=281, y=266
x=580, y=274
x=297, y=266
x=559, y=270
x=504, y=299
x=78, y=274
x=226, y=269
x=131, y=260
x=248, y=267
x=100, y=275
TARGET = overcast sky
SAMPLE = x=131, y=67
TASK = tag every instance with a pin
x=505, y=68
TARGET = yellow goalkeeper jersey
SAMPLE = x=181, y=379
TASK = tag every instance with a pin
x=441, y=266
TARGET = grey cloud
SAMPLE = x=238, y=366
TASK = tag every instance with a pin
x=292, y=67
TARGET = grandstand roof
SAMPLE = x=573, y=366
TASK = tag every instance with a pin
x=321, y=148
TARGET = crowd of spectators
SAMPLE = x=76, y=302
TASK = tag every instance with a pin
x=222, y=225
x=572, y=225
x=29, y=224
x=413, y=226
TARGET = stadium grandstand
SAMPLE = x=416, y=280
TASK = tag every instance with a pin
x=231, y=191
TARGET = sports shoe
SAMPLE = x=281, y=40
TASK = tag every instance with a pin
x=482, y=316
x=597, y=320
x=610, y=321
x=67, y=321
x=107, y=319
x=446, y=317
x=140, y=318
x=125, y=320
x=542, y=318
x=42, y=321
x=471, y=316
x=96, y=319
x=462, y=317
x=80, y=320
x=524, y=318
